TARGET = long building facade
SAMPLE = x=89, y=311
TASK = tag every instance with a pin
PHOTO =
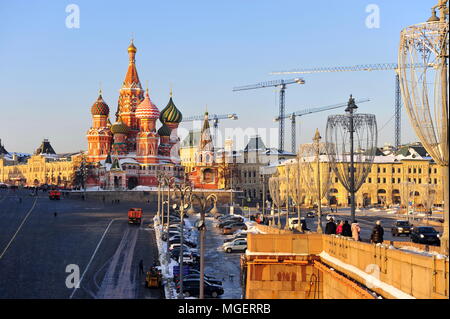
x=44, y=167
x=408, y=178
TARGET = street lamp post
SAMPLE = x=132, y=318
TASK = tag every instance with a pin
x=201, y=226
x=316, y=140
x=286, y=225
x=184, y=191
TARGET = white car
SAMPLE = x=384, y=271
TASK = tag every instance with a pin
x=239, y=244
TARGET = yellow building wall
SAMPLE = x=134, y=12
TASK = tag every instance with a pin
x=38, y=170
x=385, y=184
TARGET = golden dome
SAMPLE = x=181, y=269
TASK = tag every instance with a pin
x=132, y=48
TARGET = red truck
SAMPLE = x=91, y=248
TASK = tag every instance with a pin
x=54, y=194
x=135, y=216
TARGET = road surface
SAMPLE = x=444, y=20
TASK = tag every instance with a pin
x=40, y=238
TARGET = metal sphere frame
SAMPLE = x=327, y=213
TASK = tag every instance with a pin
x=351, y=139
x=427, y=105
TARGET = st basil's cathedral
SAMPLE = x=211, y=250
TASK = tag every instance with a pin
x=132, y=151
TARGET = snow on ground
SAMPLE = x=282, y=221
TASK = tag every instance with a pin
x=166, y=269
x=219, y=264
x=144, y=188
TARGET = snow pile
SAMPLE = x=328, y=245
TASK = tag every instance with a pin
x=94, y=189
x=144, y=188
x=371, y=281
x=416, y=250
x=166, y=269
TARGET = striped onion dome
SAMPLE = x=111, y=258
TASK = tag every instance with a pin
x=100, y=107
x=164, y=130
x=147, y=110
x=119, y=128
x=170, y=113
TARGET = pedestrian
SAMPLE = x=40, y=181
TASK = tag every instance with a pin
x=330, y=227
x=339, y=228
x=55, y=214
x=346, y=229
x=141, y=267
x=356, y=230
x=303, y=224
x=377, y=233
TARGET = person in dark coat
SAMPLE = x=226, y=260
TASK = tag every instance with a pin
x=377, y=233
x=346, y=229
x=330, y=227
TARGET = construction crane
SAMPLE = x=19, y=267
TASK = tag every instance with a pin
x=367, y=67
x=282, y=85
x=212, y=117
x=293, y=115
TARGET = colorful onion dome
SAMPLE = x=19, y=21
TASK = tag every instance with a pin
x=170, y=113
x=100, y=107
x=164, y=130
x=147, y=110
x=119, y=128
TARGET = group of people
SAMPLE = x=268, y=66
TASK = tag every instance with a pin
x=344, y=228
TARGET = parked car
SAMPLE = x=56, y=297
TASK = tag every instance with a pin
x=230, y=229
x=188, y=257
x=236, y=236
x=235, y=245
x=230, y=217
x=401, y=227
x=311, y=214
x=211, y=280
x=191, y=287
x=177, y=245
x=229, y=222
x=196, y=272
x=425, y=235
x=177, y=240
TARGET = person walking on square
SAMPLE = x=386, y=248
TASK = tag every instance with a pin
x=141, y=267
x=377, y=233
x=346, y=229
x=330, y=227
x=356, y=230
x=339, y=228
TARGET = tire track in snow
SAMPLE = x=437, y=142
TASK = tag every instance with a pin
x=119, y=280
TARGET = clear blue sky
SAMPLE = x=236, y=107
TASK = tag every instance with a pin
x=50, y=74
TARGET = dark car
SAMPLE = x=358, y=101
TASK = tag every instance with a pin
x=401, y=227
x=311, y=214
x=175, y=254
x=191, y=287
x=194, y=272
x=211, y=280
x=230, y=217
x=425, y=235
x=229, y=222
x=231, y=228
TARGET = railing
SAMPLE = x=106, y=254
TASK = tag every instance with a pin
x=400, y=273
